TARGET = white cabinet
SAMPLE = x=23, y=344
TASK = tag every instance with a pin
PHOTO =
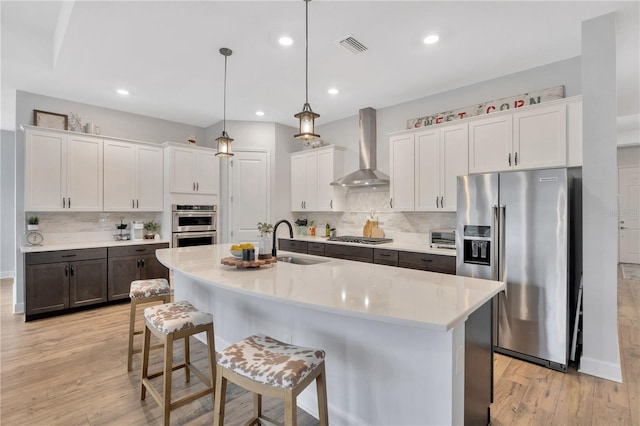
x=311, y=175
x=532, y=138
x=63, y=171
x=133, y=177
x=402, y=177
x=424, y=167
x=441, y=155
x=193, y=170
x=490, y=144
x=574, y=132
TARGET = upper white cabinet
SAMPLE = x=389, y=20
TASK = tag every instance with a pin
x=193, y=170
x=402, y=166
x=424, y=167
x=531, y=138
x=441, y=155
x=574, y=132
x=133, y=177
x=312, y=172
x=63, y=171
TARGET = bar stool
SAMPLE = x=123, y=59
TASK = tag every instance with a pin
x=141, y=292
x=266, y=366
x=170, y=322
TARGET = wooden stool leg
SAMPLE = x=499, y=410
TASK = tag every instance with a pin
x=257, y=406
x=321, y=390
x=145, y=361
x=220, y=397
x=290, y=415
x=132, y=323
x=168, y=368
x=211, y=347
x=187, y=360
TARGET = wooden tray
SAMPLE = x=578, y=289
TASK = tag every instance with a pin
x=239, y=263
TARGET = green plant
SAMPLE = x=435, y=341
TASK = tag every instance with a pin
x=311, y=224
x=265, y=228
x=33, y=220
x=151, y=226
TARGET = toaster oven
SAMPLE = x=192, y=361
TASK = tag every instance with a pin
x=442, y=238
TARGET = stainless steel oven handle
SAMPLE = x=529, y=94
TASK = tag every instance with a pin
x=183, y=235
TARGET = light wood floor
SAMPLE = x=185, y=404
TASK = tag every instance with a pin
x=71, y=370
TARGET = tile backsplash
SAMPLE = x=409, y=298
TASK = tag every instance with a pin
x=365, y=203
x=86, y=226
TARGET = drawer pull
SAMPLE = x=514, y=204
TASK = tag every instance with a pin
x=69, y=255
x=140, y=249
x=426, y=260
x=385, y=255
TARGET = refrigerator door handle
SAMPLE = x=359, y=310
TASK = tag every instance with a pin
x=494, y=251
x=501, y=244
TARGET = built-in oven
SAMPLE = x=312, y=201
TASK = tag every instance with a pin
x=193, y=225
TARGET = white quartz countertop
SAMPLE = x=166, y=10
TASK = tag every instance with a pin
x=87, y=245
x=395, y=245
x=370, y=291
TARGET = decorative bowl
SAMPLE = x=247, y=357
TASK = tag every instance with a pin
x=236, y=253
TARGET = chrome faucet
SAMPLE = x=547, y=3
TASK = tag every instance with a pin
x=275, y=229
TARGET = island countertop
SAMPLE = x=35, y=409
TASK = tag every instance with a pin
x=376, y=292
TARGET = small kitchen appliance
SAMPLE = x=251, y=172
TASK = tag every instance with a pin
x=137, y=230
x=194, y=225
x=442, y=238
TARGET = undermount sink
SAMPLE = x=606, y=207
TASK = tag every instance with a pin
x=300, y=260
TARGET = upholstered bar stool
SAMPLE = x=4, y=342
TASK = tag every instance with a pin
x=142, y=292
x=266, y=366
x=170, y=322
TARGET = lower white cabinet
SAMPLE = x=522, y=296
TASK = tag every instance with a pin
x=424, y=167
x=133, y=177
x=63, y=171
x=312, y=172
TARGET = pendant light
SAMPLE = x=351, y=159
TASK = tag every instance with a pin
x=224, y=141
x=306, y=116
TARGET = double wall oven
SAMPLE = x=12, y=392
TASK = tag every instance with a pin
x=193, y=225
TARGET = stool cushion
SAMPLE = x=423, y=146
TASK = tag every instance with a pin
x=171, y=317
x=269, y=361
x=149, y=288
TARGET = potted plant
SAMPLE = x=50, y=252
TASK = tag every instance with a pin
x=33, y=223
x=151, y=228
x=312, y=229
x=265, y=229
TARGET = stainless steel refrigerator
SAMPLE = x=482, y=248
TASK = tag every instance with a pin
x=518, y=227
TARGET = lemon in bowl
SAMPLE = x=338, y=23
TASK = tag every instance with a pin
x=236, y=249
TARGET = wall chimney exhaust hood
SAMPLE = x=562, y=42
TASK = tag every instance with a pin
x=367, y=175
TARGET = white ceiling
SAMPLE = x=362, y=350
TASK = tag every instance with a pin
x=166, y=53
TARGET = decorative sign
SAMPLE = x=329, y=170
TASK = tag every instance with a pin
x=503, y=104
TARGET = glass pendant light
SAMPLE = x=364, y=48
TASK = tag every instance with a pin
x=307, y=116
x=224, y=141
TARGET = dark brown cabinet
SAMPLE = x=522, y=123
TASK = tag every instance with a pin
x=132, y=263
x=385, y=257
x=427, y=262
x=316, y=248
x=59, y=280
x=292, y=245
x=359, y=254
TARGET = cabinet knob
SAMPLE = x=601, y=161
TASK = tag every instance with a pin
x=509, y=159
x=515, y=159
x=391, y=202
x=69, y=202
x=64, y=203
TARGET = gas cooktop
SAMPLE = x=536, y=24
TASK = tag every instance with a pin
x=361, y=240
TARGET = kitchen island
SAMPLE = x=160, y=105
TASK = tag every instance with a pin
x=395, y=338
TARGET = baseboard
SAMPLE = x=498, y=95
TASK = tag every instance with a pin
x=7, y=274
x=308, y=401
x=18, y=308
x=602, y=369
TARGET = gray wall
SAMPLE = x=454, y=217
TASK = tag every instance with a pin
x=7, y=204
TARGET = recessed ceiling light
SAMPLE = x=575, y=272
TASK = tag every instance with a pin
x=122, y=91
x=285, y=41
x=431, y=39
x=333, y=91
x=260, y=113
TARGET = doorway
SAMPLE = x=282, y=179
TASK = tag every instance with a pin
x=248, y=194
x=629, y=214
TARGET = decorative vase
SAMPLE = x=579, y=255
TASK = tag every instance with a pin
x=264, y=249
x=33, y=227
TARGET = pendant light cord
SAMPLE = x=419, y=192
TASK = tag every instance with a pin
x=224, y=97
x=306, y=56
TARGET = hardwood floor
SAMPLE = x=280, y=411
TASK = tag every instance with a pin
x=72, y=370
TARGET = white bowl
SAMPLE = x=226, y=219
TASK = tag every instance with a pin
x=236, y=253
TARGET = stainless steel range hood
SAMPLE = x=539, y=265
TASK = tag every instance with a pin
x=367, y=175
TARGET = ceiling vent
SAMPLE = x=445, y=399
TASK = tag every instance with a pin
x=353, y=45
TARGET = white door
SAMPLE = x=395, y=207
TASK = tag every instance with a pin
x=540, y=138
x=629, y=217
x=45, y=171
x=149, y=178
x=402, y=172
x=454, y=151
x=84, y=173
x=248, y=195
x=119, y=176
x=207, y=173
x=427, y=170
x=490, y=144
